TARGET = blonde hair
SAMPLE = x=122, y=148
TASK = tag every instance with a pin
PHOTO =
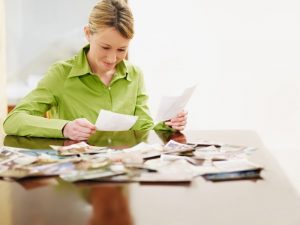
x=112, y=13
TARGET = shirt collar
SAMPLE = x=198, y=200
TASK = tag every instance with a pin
x=81, y=66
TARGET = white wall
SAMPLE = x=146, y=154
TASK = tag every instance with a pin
x=40, y=33
x=3, y=105
x=244, y=55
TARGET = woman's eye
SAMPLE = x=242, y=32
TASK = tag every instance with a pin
x=121, y=50
x=105, y=48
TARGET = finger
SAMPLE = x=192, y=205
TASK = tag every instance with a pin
x=179, y=124
x=178, y=119
x=83, y=138
x=176, y=125
x=80, y=136
x=180, y=116
x=85, y=123
x=169, y=123
x=93, y=131
x=180, y=128
x=84, y=133
x=182, y=113
x=84, y=130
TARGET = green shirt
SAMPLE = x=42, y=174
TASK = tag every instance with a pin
x=69, y=90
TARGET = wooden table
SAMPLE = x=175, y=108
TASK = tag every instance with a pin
x=270, y=201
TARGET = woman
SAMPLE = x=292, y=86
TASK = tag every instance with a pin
x=98, y=77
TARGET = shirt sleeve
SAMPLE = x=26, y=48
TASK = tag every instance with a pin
x=27, y=119
x=145, y=122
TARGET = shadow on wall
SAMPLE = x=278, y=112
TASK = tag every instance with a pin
x=62, y=48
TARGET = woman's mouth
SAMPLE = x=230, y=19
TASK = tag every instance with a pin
x=109, y=64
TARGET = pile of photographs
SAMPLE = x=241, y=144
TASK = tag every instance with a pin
x=172, y=162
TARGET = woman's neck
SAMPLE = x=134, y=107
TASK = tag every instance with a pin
x=106, y=77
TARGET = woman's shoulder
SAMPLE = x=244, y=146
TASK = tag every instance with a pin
x=62, y=68
x=64, y=65
x=59, y=72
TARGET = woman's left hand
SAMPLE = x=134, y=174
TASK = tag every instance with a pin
x=178, y=122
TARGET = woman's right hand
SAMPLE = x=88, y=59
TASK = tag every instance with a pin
x=79, y=129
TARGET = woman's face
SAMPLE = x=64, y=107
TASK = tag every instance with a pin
x=107, y=48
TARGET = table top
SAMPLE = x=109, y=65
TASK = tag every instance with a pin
x=271, y=200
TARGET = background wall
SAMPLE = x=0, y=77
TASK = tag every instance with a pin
x=244, y=55
x=3, y=101
x=40, y=33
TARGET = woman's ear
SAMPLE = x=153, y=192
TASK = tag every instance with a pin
x=87, y=33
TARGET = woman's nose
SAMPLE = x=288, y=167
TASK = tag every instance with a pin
x=111, y=57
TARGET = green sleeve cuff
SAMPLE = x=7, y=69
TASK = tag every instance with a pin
x=34, y=126
x=161, y=126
